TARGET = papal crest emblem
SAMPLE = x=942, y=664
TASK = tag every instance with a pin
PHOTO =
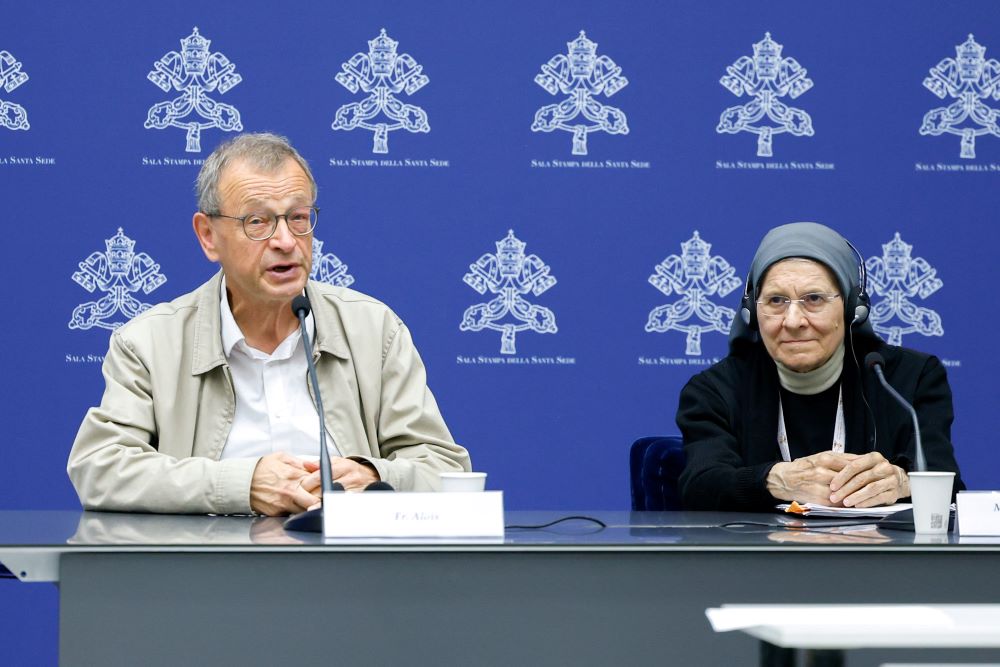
x=381, y=74
x=694, y=276
x=968, y=78
x=766, y=78
x=194, y=73
x=119, y=272
x=327, y=267
x=898, y=277
x=510, y=274
x=581, y=75
x=12, y=116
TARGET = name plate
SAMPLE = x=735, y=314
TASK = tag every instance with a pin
x=413, y=515
x=978, y=512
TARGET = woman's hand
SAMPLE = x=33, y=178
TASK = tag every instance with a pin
x=869, y=480
x=839, y=480
x=807, y=479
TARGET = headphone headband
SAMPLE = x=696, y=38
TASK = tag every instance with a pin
x=858, y=304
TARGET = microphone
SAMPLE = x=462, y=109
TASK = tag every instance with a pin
x=875, y=362
x=312, y=520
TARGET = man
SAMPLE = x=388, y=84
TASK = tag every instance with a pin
x=207, y=408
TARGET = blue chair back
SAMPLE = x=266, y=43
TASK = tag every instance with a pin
x=655, y=464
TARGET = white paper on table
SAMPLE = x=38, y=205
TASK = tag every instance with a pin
x=815, y=509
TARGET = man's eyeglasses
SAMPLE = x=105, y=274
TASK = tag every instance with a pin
x=776, y=306
x=261, y=226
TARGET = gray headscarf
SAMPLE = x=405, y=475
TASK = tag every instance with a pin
x=811, y=241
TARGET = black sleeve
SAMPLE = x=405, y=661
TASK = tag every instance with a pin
x=716, y=476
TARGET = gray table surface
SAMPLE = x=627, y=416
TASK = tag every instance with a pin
x=242, y=590
x=67, y=531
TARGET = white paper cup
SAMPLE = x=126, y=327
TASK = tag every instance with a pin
x=931, y=495
x=463, y=481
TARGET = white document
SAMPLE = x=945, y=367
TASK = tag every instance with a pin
x=815, y=509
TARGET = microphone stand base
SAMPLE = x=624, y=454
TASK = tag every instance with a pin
x=310, y=521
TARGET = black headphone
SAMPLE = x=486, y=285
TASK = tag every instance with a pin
x=857, y=301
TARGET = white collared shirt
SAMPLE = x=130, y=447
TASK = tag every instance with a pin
x=274, y=411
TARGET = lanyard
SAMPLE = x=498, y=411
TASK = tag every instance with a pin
x=838, y=430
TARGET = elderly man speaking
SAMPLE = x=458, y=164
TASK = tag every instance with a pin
x=207, y=407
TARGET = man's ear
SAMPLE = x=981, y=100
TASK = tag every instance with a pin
x=206, y=235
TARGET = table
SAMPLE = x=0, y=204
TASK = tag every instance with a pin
x=168, y=590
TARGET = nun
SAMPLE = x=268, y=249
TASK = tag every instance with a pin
x=792, y=413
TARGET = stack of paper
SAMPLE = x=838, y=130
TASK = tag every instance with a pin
x=815, y=509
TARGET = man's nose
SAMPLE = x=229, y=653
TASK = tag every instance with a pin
x=282, y=237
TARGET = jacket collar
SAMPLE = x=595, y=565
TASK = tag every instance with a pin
x=208, y=351
x=330, y=335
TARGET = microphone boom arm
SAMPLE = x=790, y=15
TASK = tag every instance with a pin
x=325, y=474
x=312, y=520
x=921, y=463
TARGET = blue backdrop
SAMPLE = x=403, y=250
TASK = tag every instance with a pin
x=628, y=166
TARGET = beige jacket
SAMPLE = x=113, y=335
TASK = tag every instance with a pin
x=154, y=443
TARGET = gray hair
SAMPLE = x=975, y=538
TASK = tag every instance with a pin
x=261, y=150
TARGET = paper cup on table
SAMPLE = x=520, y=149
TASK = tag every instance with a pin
x=931, y=495
x=463, y=481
